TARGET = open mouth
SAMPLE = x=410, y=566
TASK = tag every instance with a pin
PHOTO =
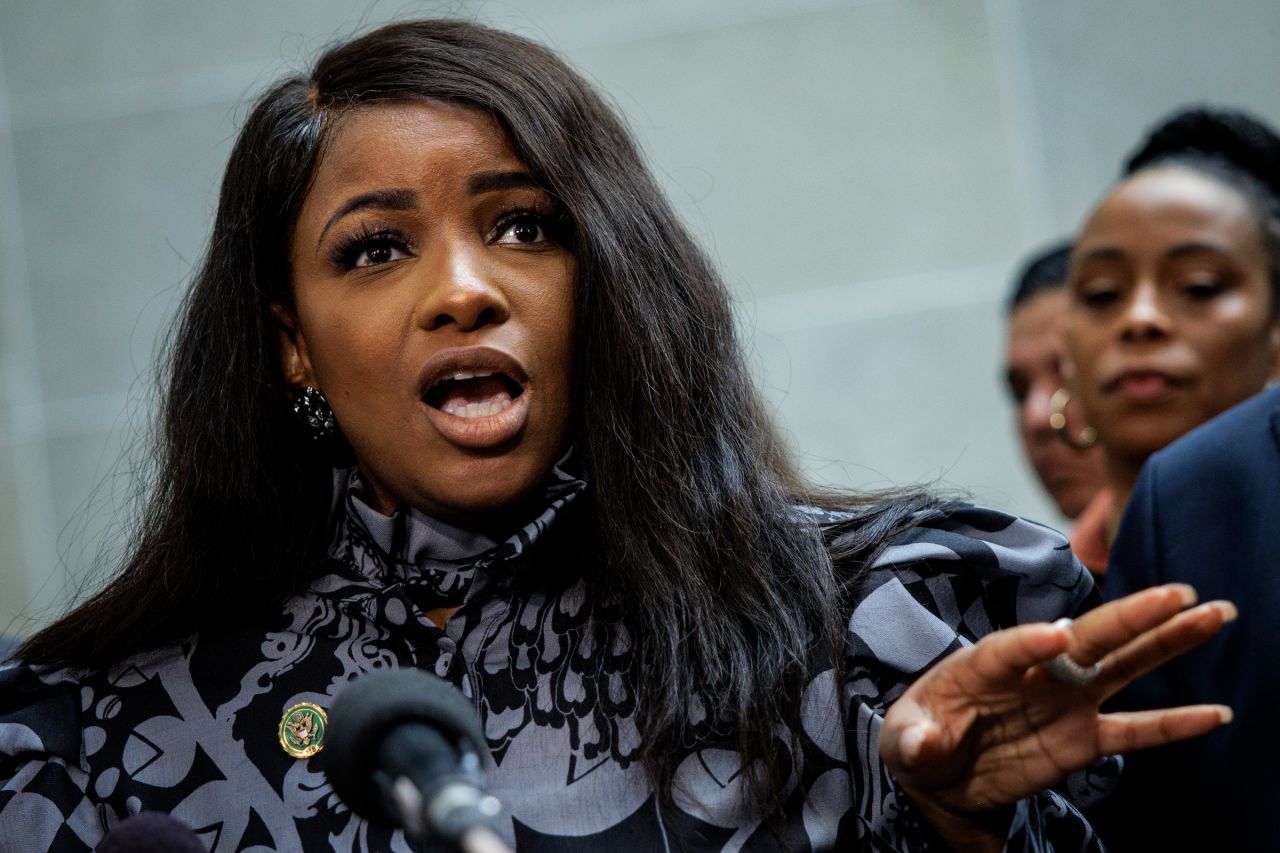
x=476, y=397
x=473, y=393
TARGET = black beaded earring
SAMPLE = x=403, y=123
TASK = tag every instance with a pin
x=310, y=405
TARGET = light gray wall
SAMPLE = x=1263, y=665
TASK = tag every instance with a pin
x=866, y=173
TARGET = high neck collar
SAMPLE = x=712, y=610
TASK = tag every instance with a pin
x=435, y=557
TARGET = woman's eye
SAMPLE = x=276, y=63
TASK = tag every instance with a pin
x=1099, y=297
x=1202, y=291
x=523, y=229
x=1018, y=390
x=366, y=249
x=378, y=252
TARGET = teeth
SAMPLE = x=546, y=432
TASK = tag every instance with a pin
x=476, y=410
x=465, y=374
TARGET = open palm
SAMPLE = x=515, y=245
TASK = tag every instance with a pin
x=990, y=725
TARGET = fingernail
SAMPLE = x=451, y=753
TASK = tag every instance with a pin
x=1228, y=611
x=1225, y=715
x=913, y=742
x=1186, y=593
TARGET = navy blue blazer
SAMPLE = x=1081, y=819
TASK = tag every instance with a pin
x=1206, y=511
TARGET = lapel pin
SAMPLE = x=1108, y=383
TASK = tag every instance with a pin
x=302, y=729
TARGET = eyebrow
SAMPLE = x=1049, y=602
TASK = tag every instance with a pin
x=1195, y=248
x=406, y=199
x=487, y=182
x=391, y=199
x=1107, y=254
x=1181, y=250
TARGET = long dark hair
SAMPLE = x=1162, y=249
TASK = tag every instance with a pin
x=727, y=589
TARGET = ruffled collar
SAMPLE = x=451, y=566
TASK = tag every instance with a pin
x=438, y=563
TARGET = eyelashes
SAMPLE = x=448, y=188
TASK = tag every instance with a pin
x=370, y=247
x=549, y=219
x=1107, y=294
x=1204, y=289
x=527, y=226
x=1099, y=297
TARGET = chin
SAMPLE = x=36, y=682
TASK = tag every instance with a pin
x=477, y=489
x=1154, y=433
x=1072, y=501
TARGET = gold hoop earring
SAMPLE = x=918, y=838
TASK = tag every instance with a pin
x=1088, y=436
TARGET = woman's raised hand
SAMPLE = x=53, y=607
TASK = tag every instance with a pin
x=990, y=724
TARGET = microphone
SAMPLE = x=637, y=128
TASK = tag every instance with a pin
x=150, y=832
x=405, y=747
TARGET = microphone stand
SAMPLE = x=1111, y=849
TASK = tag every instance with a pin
x=458, y=801
x=406, y=749
x=482, y=840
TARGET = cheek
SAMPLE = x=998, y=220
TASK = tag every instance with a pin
x=558, y=374
x=1025, y=433
x=551, y=321
x=348, y=354
x=349, y=368
x=1081, y=345
x=1234, y=353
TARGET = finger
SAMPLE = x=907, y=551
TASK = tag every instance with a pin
x=1104, y=629
x=918, y=753
x=1122, y=732
x=922, y=730
x=906, y=725
x=913, y=745
x=1008, y=654
x=1161, y=644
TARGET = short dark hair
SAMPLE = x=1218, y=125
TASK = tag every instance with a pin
x=1045, y=270
x=1237, y=149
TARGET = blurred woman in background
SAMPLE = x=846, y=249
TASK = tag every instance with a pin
x=1174, y=283
x=1204, y=512
x=1034, y=356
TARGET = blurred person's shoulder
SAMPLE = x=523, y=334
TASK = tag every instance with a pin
x=1207, y=499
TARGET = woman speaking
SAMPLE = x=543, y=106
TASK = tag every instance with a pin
x=454, y=390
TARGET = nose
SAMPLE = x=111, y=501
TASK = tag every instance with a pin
x=461, y=291
x=1144, y=317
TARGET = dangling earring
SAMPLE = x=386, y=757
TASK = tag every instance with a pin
x=1058, y=422
x=311, y=406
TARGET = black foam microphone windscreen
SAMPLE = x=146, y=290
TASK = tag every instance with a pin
x=368, y=711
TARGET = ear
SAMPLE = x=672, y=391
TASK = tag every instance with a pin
x=295, y=363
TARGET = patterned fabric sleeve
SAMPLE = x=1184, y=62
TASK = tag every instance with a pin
x=939, y=588
x=43, y=802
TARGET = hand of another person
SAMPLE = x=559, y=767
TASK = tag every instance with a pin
x=990, y=724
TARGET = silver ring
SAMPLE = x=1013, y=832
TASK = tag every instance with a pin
x=1067, y=671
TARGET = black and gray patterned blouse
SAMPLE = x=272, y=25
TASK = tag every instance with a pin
x=192, y=729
